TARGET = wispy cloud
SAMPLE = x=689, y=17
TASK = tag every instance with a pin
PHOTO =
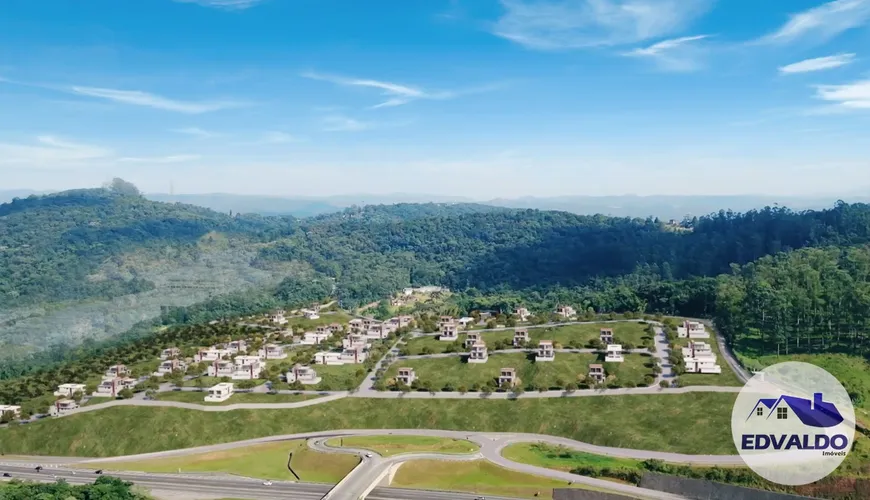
x=575, y=24
x=341, y=123
x=195, y=132
x=850, y=96
x=677, y=54
x=823, y=22
x=818, y=64
x=224, y=4
x=397, y=94
x=139, y=98
x=161, y=159
x=275, y=137
x=51, y=152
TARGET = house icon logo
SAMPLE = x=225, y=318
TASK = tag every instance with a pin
x=793, y=423
x=813, y=412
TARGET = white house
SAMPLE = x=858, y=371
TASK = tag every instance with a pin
x=237, y=346
x=311, y=313
x=353, y=340
x=376, y=332
x=606, y=336
x=117, y=371
x=699, y=358
x=465, y=321
x=314, y=338
x=614, y=354
x=353, y=355
x=168, y=366
x=522, y=313
x=172, y=352
x=692, y=330
x=219, y=393
x=303, y=374
x=406, y=376
x=212, y=354
x=67, y=390
x=335, y=327
x=478, y=353
x=240, y=368
x=521, y=337
x=401, y=321
x=448, y=332
x=472, y=338
x=545, y=351
x=272, y=351
x=112, y=386
x=277, y=317
x=16, y=410
x=507, y=377
x=566, y=311
x=62, y=406
x=328, y=358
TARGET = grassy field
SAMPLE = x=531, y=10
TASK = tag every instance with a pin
x=566, y=368
x=553, y=457
x=339, y=377
x=621, y=421
x=210, y=381
x=727, y=377
x=94, y=400
x=388, y=446
x=239, y=397
x=265, y=461
x=480, y=477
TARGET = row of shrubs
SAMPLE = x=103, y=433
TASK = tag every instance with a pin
x=740, y=476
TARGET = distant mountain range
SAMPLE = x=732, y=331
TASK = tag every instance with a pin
x=662, y=206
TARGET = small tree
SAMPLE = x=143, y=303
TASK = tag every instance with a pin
x=199, y=383
x=571, y=387
x=77, y=396
x=664, y=384
x=125, y=393
x=6, y=417
x=462, y=389
x=246, y=384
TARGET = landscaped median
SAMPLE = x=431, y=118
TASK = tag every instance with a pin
x=388, y=446
x=265, y=461
x=645, y=422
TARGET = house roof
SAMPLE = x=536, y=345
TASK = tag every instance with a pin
x=813, y=413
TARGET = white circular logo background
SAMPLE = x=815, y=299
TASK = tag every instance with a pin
x=793, y=423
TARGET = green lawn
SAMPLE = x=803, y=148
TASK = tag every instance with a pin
x=566, y=368
x=480, y=477
x=388, y=446
x=211, y=381
x=727, y=377
x=265, y=461
x=239, y=397
x=649, y=422
x=555, y=457
x=339, y=377
x=95, y=400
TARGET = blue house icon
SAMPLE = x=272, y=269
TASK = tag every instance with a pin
x=811, y=412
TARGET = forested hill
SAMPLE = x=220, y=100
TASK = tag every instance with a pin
x=50, y=245
x=530, y=248
x=404, y=211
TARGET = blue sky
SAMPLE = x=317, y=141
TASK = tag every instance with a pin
x=478, y=98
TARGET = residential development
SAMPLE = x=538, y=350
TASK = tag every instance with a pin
x=699, y=358
x=692, y=330
x=302, y=374
x=219, y=393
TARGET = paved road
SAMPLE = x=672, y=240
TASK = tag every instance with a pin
x=221, y=486
x=515, y=351
x=663, y=350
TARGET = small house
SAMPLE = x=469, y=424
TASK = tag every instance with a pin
x=614, y=354
x=303, y=374
x=472, y=338
x=566, y=311
x=545, y=351
x=272, y=351
x=406, y=376
x=67, y=390
x=606, y=336
x=521, y=337
x=448, y=332
x=596, y=373
x=172, y=352
x=219, y=393
x=478, y=353
x=117, y=371
x=507, y=377
x=522, y=313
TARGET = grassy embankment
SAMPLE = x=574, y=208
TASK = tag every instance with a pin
x=239, y=397
x=566, y=368
x=654, y=422
x=388, y=446
x=480, y=477
x=265, y=461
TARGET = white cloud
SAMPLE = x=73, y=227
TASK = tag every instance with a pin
x=818, y=64
x=341, y=123
x=51, y=153
x=161, y=159
x=823, y=22
x=849, y=96
x=397, y=94
x=196, y=132
x=139, y=98
x=575, y=24
x=677, y=54
x=224, y=4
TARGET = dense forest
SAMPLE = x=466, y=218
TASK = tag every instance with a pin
x=104, y=488
x=774, y=280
